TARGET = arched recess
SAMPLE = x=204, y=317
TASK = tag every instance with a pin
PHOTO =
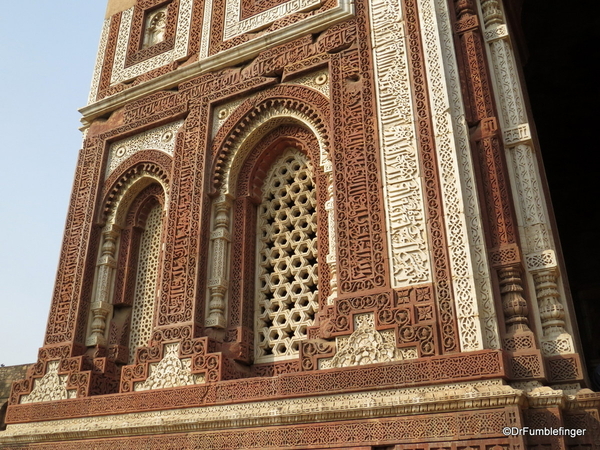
x=128, y=266
x=254, y=138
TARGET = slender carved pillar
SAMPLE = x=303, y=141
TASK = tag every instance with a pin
x=536, y=241
x=217, y=284
x=502, y=233
x=105, y=273
x=331, y=259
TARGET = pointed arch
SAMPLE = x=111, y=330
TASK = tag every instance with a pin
x=245, y=150
x=128, y=266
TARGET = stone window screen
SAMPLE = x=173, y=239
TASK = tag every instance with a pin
x=287, y=268
x=142, y=314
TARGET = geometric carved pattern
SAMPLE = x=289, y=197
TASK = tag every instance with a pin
x=146, y=282
x=564, y=368
x=453, y=426
x=526, y=366
x=436, y=214
x=122, y=72
x=287, y=294
x=160, y=138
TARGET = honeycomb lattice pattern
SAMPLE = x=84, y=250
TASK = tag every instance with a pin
x=146, y=281
x=287, y=291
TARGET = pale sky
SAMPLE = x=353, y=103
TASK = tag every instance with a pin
x=47, y=55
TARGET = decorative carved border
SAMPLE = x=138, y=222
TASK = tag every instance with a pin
x=121, y=71
x=135, y=53
x=474, y=366
x=428, y=155
x=435, y=429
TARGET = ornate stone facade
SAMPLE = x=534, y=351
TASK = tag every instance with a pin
x=305, y=224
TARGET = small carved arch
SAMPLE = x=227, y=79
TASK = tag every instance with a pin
x=139, y=171
x=257, y=116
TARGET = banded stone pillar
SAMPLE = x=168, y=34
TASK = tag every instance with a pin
x=102, y=307
x=535, y=237
x=217, y=284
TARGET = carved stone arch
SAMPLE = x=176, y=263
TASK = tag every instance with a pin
x=243, y=150
x=136, y=173
x=259, y=115
x=134, y=196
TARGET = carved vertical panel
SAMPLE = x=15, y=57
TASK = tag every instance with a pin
x=63, y=313
x=540, y=257
x=477, y=320
x=405, y=208
x=495, y=192
x=178, y=291
x=443, y=282
x=360, y=217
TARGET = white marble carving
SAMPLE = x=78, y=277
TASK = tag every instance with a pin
x=161, y=138
x=366, y=345
x=99, y=61
x=287, y=293
x=222, y=113
x=234, y=26
x=121, y=73
x=169, y=372
x=405, y=207
x=331, y=256
x=468, y=262
x=50, y=387
x=318, y=81
x=144, y=298
x=218, y=283
x=155, y=27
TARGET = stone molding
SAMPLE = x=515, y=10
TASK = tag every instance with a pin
x=421, y=372
x=395, y=402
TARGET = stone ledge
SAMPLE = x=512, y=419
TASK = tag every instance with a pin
x=363, y=405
